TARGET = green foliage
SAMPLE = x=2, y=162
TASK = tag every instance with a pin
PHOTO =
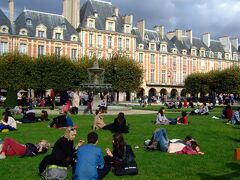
x=123, y=73
x=20, y=71
x=217, y=162
x=11, y=98
x=226, y=81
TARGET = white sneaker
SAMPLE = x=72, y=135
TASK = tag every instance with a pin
x=2, y=156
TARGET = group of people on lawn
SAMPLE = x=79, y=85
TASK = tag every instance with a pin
x=121, y=159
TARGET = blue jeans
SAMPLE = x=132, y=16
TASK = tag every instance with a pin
x=161, y=137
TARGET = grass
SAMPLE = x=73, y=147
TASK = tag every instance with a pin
x=216, y=139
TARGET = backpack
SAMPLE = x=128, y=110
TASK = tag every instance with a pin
x=55, y=172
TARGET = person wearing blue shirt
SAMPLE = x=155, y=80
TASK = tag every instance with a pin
x=90, y=161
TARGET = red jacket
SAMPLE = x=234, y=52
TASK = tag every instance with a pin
x=187, y=150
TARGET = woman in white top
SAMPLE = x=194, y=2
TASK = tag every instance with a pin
x=161, y=118
x=8, y=122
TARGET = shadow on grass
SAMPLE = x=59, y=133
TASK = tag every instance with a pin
x=234, y=139
x=233, y=166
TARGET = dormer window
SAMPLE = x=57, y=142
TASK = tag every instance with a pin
x=74, y=38
x=152, y=47
x=219, y=55
x=174, y=50
x=127, y=28
x=29, y=22
x=184, y=52
x=110, y=26
x=226, y=55
x=41, y=31
x=202, y=53
x=91, y=23
x=41, y=34
x=193, y=52
x=164, y=48
x=58, y=36
x=146, y=37
x=140, y=46
x=4, y=29
x=23, y=32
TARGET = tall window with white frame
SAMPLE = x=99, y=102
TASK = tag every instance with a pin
x=140, y=57
x=127, y=44
x=40, y=50
x=174, y=77
x=193, y=65
x=99, y=41
x=74, y=54
x=152, y=47
x=219, y=65
x=174, y=62
x=23, y=48
x=211, y=65
x=152, y=76
x=163, y=76
x=164, y=60
x=58, y=51
x=152, y=59
x=109, y=42
x=90, y=40
x=3, y=47
x=120, y=44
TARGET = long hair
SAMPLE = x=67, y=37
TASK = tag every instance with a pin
x=5, y=118
x=118, y=144
x=120, y=118
x=161, y=110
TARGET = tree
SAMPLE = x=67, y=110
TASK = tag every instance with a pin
x=11, y=98
x=124, y=74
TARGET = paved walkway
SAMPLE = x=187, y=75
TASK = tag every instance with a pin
x=111, y=112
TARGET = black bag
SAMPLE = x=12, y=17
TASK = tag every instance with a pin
x=126, y=165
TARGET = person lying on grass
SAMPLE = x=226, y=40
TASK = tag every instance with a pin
x=12, y=148
x=160, y=141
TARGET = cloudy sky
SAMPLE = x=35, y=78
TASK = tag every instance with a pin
x=218, y=17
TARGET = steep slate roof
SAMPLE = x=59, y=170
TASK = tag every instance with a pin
x=216, y=46
x=51, y=21
x=5, y=21
x=104, y=10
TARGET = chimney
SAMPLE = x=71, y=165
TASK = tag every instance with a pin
x=160, y=30
x=225, y=41
x=141, y=28
x=178, y=34
x=71, y=11
x=189, y=35
x=206, y=38
x=128, y=19
x=116, y=12
x=234, y=42
x=11, y=10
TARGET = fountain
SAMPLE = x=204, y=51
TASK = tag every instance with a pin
x=96, y=83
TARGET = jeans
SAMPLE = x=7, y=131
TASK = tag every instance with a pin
x=161, y=137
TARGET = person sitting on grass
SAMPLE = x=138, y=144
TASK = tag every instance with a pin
x=183, y=119
x=204, y=110
x=43, y=116
x=236, y=117
x=62, y=121
x=63, y=153
x=161, y=118
x=160, y=141
x=98, y=121
x=122, y=158
x=119, y=125
x=90, y=161
x=12, y=148
x=8, y=122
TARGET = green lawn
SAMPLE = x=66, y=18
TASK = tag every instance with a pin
x=216, y=139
